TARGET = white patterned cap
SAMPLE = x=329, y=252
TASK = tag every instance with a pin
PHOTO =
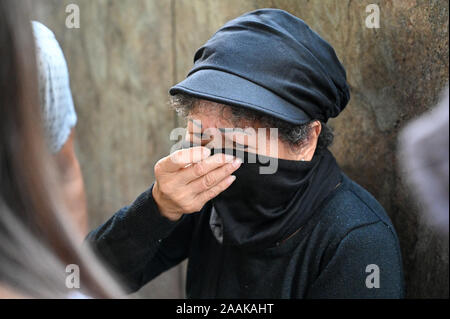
x=58, y=112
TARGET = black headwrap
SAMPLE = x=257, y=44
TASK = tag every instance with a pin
x=270, y=61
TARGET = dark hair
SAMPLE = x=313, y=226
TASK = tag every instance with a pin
x=36, y=242
x=293, y=134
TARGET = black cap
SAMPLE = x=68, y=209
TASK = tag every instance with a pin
x=270, y=61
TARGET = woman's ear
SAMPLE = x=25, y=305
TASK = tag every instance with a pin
x=316, y=128
x=310, y=147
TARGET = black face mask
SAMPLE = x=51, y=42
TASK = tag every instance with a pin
x=261, y=210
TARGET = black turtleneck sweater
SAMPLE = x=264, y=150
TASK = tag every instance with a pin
x=331, y=256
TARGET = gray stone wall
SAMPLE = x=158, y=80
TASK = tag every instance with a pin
x=127, y=54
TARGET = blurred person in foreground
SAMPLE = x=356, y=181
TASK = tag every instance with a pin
x=59, y=119
x=305, y=230
x=424, y=160
x=37, y=240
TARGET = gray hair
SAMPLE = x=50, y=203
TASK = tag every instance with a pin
x=295, y=135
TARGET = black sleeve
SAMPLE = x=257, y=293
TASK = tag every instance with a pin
x=133, y=242
x=366, y=264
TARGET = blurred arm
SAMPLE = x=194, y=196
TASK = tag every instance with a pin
x=72, y=184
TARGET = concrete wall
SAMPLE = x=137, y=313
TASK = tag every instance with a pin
x=127, y=54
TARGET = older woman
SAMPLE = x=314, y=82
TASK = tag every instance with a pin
x=260, y=94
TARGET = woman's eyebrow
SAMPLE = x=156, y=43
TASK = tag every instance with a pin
x=232, y=130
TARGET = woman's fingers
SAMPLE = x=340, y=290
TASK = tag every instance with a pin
x=212, y=192
x=202, y=168
x=188, y=178
x=181, y=158
x=214, y=176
